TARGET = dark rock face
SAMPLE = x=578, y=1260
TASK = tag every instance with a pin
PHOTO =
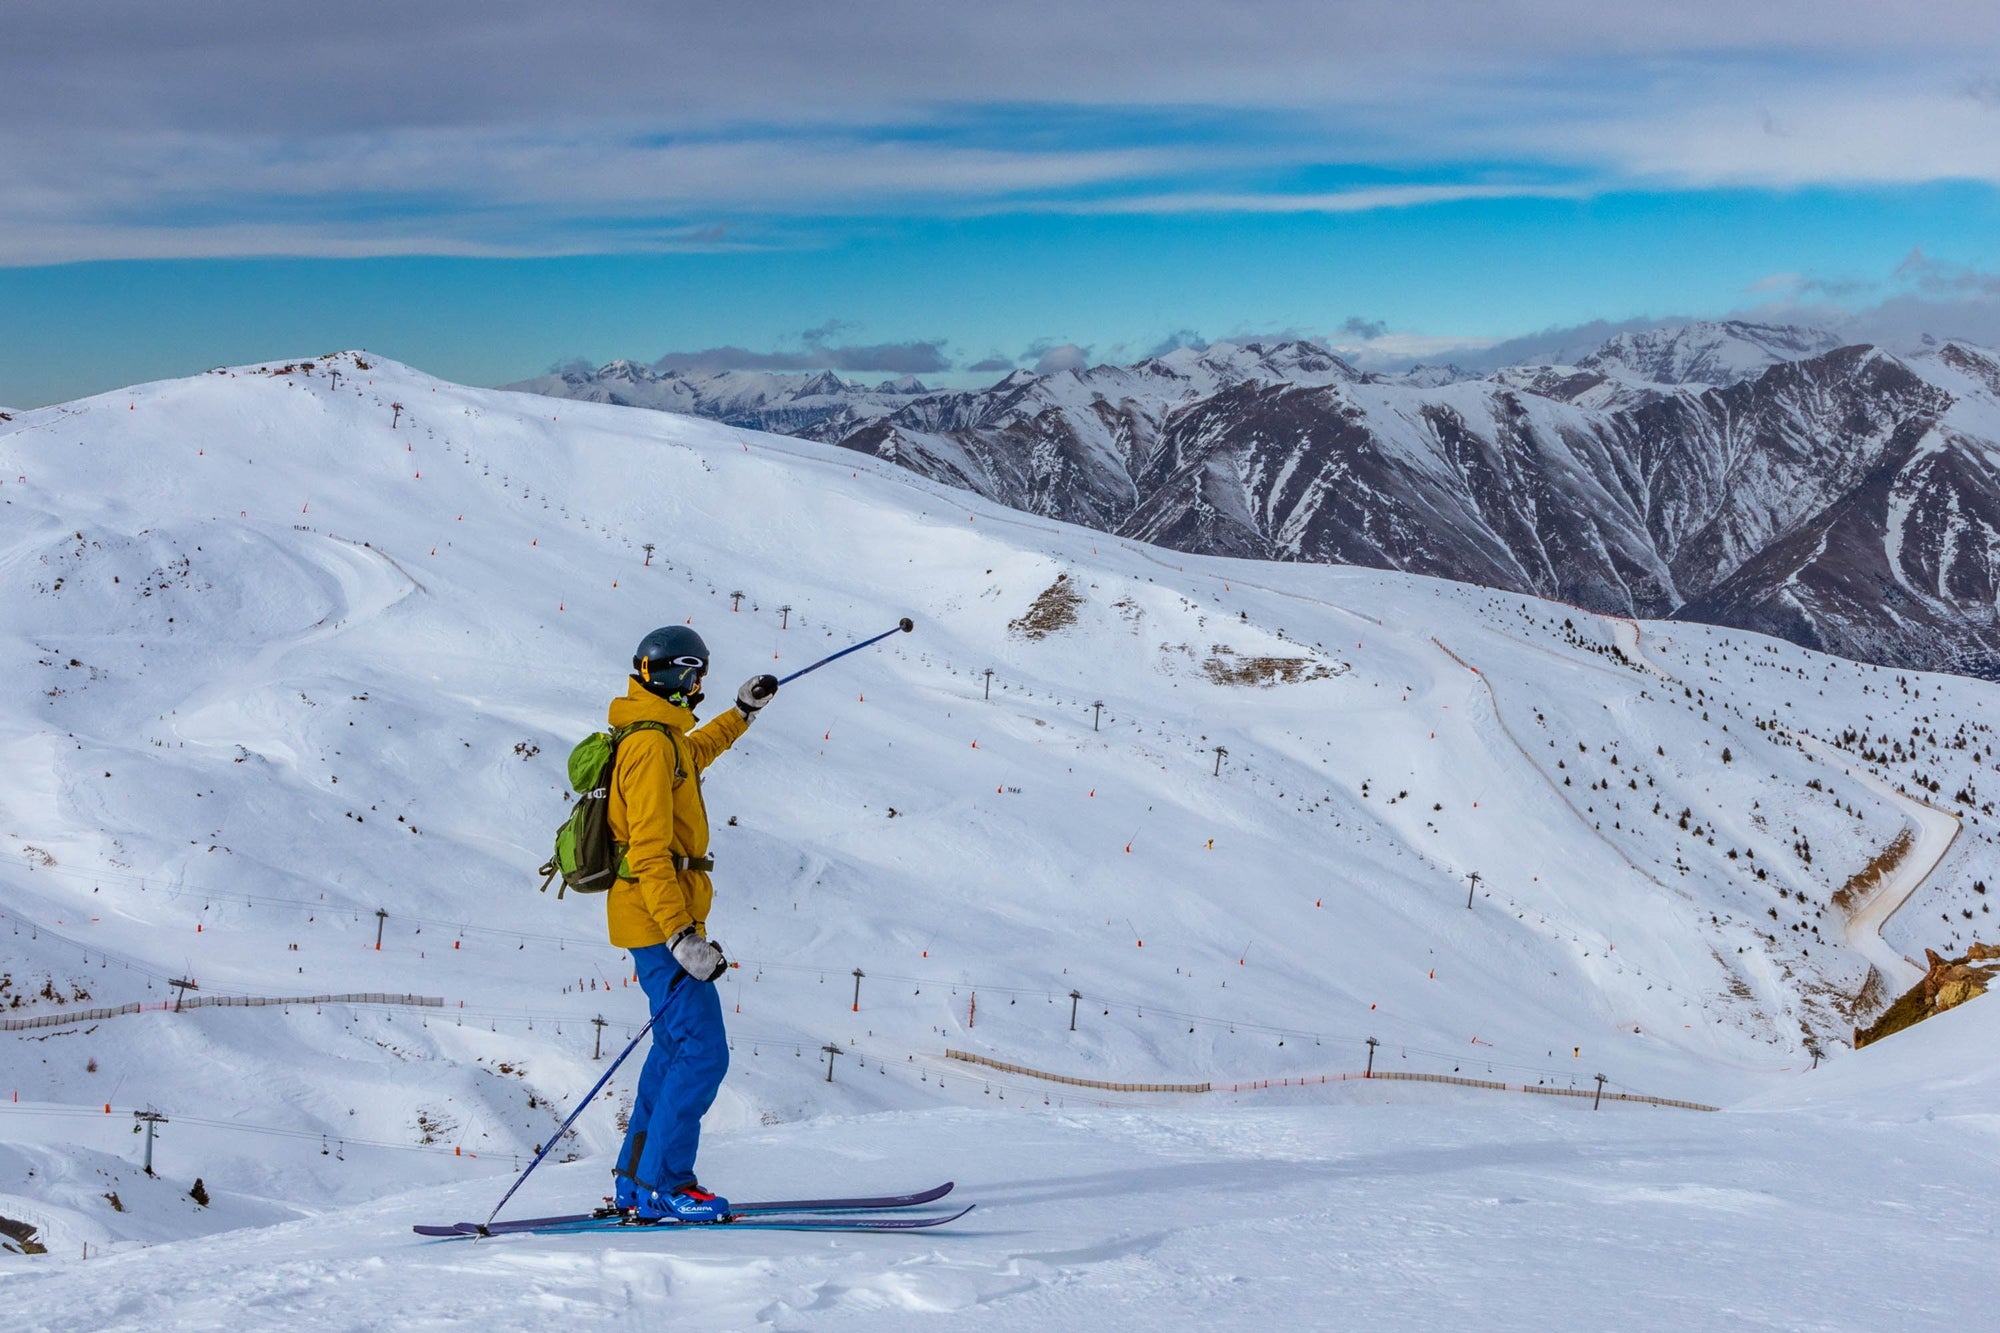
x=1899, y=570
x=1735, y=474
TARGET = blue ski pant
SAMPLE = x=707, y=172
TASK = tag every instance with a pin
x=683, y=1071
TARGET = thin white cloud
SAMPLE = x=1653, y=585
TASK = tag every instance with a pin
x=1403, y=349
x=1808, y=135
x=1364, y=200
x=1052, y=357
x=441, y=192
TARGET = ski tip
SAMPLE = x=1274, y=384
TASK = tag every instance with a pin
x=945, y=1219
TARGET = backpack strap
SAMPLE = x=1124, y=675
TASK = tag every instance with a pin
x=680, y=770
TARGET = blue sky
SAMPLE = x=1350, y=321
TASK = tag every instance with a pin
x=487, y=189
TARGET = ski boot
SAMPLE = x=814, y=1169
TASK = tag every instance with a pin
x=687, y=1203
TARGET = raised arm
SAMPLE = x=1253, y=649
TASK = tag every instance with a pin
x=707, y=742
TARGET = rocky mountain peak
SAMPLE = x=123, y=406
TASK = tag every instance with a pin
x=1705, y=352
x=826, y=383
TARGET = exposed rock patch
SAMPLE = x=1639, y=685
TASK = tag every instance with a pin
x=1053, y=611
x=1948, y=983
x=1225, y=667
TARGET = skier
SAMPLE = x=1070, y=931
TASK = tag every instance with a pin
x=658, y=910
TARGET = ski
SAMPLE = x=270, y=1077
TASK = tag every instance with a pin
x=757, y=1222
x=863, y=1204
x=590, y=1226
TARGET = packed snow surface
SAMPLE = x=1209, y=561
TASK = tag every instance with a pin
x=299, y=652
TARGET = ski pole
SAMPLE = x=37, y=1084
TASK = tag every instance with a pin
x=581, y=1107
x=902, y=626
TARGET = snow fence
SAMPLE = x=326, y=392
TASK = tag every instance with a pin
x=972, y=1059
x=1306, y=1080
x=224, y=1001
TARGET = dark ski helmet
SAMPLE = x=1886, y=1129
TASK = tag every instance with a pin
x=670, y=663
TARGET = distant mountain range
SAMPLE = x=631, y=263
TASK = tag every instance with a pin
x=1757, y=476
x=820, y=406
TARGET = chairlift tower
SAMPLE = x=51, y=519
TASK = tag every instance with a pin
x=152, y=1120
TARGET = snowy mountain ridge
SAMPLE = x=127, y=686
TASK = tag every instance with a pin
x=1709, y=354
x=1689, y=471
x=298, y=652
x=810, y=403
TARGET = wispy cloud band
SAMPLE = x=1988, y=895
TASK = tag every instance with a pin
x=133, y=129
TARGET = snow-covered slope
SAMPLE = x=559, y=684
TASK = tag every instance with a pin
x=1859, y=1209
x=299, y=653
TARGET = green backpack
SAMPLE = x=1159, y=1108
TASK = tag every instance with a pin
x=586, y=857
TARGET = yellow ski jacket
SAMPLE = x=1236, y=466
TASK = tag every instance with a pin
x=656, y=816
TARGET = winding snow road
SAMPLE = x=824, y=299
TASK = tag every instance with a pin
x=1934, y=831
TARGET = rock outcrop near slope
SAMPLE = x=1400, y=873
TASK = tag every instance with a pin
x=1947, y=983
x=1735, y=474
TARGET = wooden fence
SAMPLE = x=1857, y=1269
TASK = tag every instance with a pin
x=1458, y=1081
x=1455, y=1080
x=218, y=1001
x=1314, y=1080
x=1615, y=1097
x=72, y=1016
x=1002, y=1065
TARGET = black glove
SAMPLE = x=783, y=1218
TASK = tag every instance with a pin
x=700, y=958
x=756, y=692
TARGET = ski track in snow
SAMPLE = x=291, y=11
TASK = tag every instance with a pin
x=369, y=584
x=1493, y=702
